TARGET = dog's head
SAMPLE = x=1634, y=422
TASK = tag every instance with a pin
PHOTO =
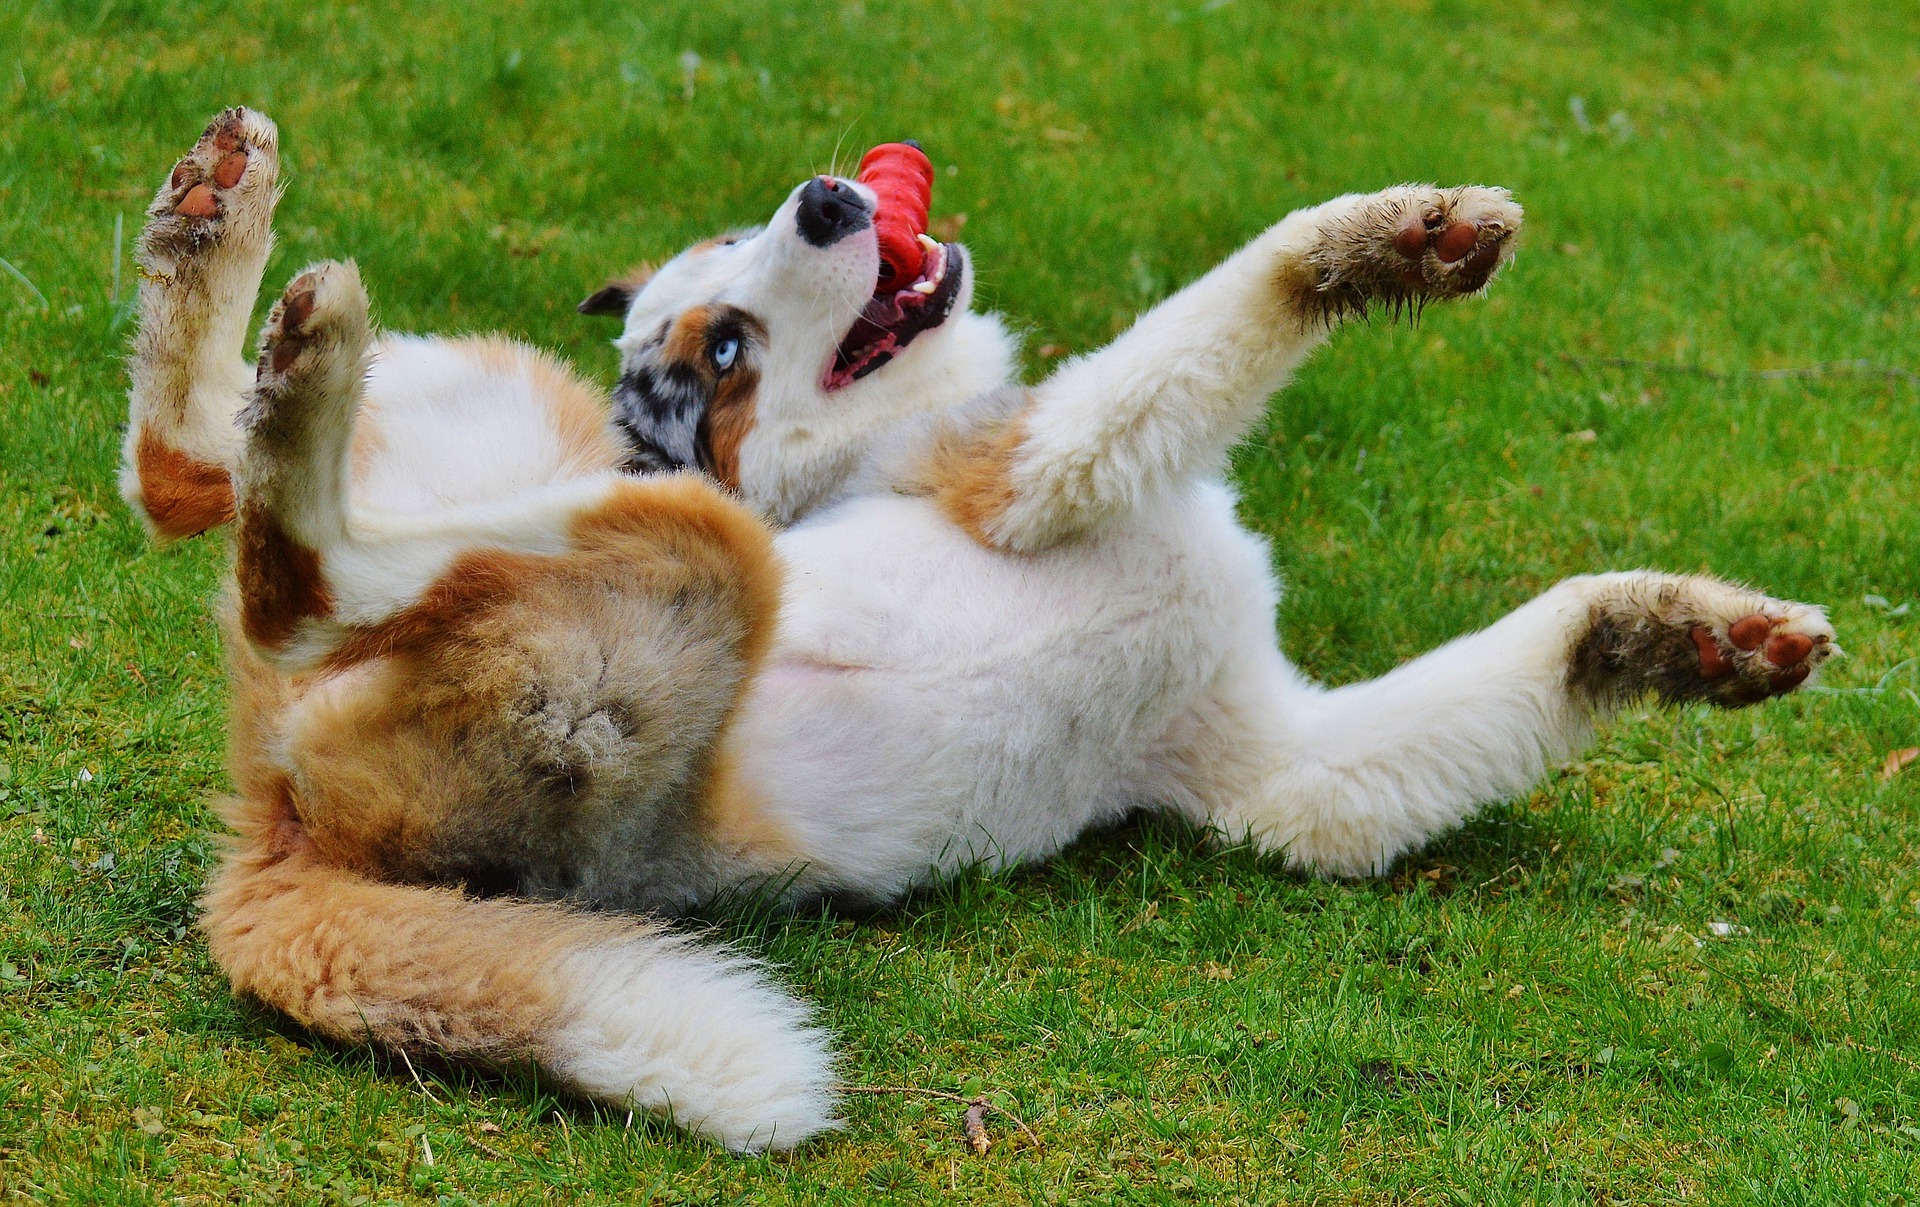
x=763, y=354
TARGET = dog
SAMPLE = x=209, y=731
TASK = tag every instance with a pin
x=822, y=604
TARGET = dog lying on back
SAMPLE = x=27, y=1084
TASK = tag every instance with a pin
x=496, y=698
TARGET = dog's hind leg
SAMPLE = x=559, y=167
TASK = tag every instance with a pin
x=200, y=258
x=1166, y=400
x=1345, y=781
x=527, y=699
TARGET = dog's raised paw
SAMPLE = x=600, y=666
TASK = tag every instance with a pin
x=312, y=364
x=221, y=189
x=1697, y=638
x=324, y=304
x=1411, y=245
x=1762, y=654
x=286, y=331
x=1452, y=242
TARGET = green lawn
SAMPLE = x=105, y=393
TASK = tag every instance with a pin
x=1536, y=1009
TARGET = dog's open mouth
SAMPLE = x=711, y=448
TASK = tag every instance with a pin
x=893, y=318
x=902, y=305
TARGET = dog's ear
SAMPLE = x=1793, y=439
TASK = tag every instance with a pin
x=617, y=295
x=613, y=299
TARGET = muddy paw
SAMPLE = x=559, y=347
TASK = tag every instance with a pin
x=221, y=190
x=285, y=335
x=323, y=308
x=1411, y=245
x=1764, y=653
x=1696, y=638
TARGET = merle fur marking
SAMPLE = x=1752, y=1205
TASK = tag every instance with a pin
x=662, y=406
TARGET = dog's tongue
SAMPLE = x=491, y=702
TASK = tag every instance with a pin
x=902, y=177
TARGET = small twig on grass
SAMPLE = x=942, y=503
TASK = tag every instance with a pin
x=974, y=1125
x=1825, y=368
x=1897, y=760
x=1908, y=1061
x=492, y=1129
x=968, y=1123
x=488, y=1149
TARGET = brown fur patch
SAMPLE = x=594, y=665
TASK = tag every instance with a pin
x=732, y=816
x=694, y=521
x=730, y=418
x=360, y=774
x=369, y=440
x=476, y=580
x=666, y=518
x=425, y=749
x=971, y=477
x=736, y=819
x=419, y=969
x=182, y=495
x=280, y=580
x=686, y=340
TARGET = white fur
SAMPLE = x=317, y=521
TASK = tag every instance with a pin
x=932, y=703
x=697, y=1034
x=452, y=431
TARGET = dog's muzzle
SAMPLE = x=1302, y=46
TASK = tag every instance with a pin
x=830, y=211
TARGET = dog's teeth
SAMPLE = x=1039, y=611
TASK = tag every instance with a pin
x=929, y=242
x=925, y=287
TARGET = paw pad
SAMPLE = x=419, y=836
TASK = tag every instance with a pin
x=1713, y=664
x=229, y=152
x=287, y=336
x=198, y=203
x=1748, y=632
x=1771, y=656
x=1789, y=649
x=226, y=132
x=1466, y=231
x=228, y=171
x=1411, y=239
x=1456, y=241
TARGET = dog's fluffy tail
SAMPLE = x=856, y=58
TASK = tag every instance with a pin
x=617, y=1009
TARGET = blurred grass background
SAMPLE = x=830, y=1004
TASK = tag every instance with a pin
x=1537, y=1009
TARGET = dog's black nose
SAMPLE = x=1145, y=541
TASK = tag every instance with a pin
x=830, y=211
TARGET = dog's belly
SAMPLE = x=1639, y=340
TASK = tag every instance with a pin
x=931, y=704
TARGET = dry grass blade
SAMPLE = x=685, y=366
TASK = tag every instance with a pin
x=1896, y=760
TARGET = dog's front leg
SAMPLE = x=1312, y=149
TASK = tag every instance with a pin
x=201, y=256
x=1164, y=402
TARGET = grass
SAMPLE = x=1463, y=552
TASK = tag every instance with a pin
x=1533, y=1010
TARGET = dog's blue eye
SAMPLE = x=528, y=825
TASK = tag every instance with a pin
x=724, y=352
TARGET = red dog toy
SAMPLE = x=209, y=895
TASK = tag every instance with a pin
x=902, y=176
